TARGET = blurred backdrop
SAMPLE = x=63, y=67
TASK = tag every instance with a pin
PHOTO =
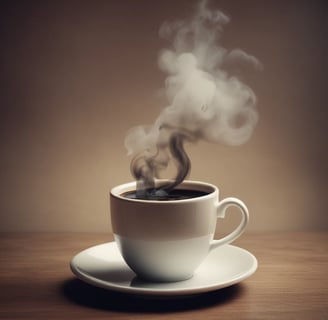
x=76, y=75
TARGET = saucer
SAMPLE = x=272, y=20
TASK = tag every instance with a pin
x=103, y=266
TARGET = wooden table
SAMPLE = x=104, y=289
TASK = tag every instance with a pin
x=290, y=283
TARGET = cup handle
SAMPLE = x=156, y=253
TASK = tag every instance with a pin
x=221, y=208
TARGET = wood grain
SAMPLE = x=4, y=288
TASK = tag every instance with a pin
x=36, y=282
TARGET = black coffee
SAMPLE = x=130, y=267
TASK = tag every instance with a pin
x=175, y=194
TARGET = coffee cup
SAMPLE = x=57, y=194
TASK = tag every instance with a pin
x=166, y=240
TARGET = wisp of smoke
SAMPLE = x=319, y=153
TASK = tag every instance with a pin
x=204, y=101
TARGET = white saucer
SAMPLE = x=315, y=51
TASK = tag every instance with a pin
x=103, y=266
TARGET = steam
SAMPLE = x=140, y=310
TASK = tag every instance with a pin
x=204, y=101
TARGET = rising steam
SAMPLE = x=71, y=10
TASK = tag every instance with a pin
x=205, y=101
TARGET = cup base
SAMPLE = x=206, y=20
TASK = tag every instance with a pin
x=145, y=278
x=166, y=260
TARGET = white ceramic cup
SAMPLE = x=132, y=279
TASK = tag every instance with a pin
x=168, y=240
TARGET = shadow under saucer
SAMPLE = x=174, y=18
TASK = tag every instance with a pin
x=81, y=293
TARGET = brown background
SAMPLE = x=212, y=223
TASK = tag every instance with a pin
x=76, y=75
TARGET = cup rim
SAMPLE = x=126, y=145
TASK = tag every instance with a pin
x=118, y=190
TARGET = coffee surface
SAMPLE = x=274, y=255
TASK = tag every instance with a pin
x=176, y=194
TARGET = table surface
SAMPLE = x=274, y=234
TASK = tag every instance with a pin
x=290, y=283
